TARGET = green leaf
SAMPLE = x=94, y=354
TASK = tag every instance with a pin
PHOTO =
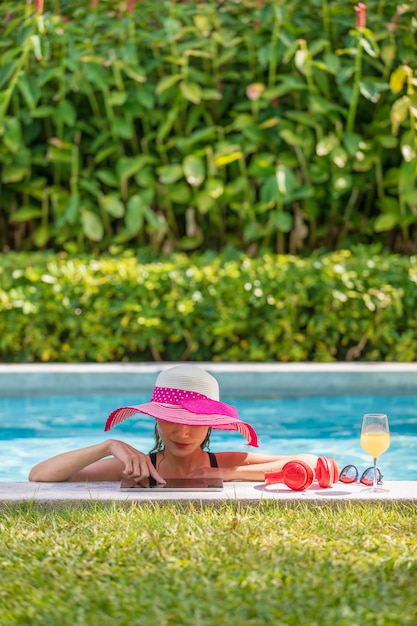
x=262, y=165
x=282, y=221
x=204, y=201
x=166, y=82
x=371, y=89
x=129, y=166
x=223, y=159
x=385, y=222
x=371, y=47
x=112, y=205
x=117, y=98
x=14, y=173
x=169, y=121
x=254, y=134
x=194, y=170
x=269, y=191
x=399, y=112
x=398, y=78
x=26, y=214
x=145, y=97
x=332, y=62
x=6, y=72
x=91, y=185
x=389, y=205
x=191, y=92
x=92, y=225
x=179, y=192
x=105, y=153
x=134, y=73
x=30, y=91
x=211, y=94
x=65, y=113
x=190, y=243
x=41, y=235
x=170, y=173
x=122, y=127
x=326, y=145
x=96, y=75
x=291, y=138
x=341, y=183
x=352, y=141
x=107, y=177
x=214, y=187
x=72, y=209
x=135, y=214
x=11, y=135
x=43, y=111
x=339, y=156
x=60, y=154
x=286, y=180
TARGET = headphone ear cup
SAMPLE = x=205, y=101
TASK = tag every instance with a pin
x=298, y=475
x=327, y=472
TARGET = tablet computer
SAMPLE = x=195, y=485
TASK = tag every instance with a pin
x=173, y=484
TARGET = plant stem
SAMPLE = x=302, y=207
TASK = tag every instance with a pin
x=356, y=87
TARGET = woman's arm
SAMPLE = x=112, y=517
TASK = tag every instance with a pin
x=252, y=467
x=90, y=464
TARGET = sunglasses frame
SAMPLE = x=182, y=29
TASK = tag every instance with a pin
x=364, y=480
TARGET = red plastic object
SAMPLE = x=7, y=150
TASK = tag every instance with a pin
x=296, y=475
x=299, y=475
x=327, y=471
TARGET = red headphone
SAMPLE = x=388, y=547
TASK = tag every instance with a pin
x=299, y=475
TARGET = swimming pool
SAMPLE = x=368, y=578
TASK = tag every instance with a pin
x=32, y=429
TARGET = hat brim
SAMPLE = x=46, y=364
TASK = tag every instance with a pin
x=177, y=415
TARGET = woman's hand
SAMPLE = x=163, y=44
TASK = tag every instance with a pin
x=137, y=465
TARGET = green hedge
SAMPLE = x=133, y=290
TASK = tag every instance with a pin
x=270, y=125
x=358, y=305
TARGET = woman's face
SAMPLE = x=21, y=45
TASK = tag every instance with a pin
x=180, y=439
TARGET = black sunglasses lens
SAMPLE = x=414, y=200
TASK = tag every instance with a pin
x=367, y=477
x=348, y=474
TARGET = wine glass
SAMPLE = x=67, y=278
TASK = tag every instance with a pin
x=375, y=439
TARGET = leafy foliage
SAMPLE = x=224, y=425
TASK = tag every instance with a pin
x=272, y=126
x=346, y=305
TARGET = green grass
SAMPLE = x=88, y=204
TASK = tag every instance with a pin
x=178, y=565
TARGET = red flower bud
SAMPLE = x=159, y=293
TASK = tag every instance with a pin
x=38, y=7
x=360, y=15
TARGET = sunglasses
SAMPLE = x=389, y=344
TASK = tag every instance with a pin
x=349, y=474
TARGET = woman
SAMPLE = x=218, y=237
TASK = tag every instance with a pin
x=185, y=404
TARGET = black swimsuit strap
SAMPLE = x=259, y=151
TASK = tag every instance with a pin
x=212, y=457
x=213, y=460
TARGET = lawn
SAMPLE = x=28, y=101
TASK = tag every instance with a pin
x=182, y=565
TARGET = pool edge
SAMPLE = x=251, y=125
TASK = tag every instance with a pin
x=235, y=379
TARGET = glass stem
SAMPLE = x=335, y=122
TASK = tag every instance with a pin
x=375, y=476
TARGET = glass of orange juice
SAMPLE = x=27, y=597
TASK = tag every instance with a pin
x=375, y=440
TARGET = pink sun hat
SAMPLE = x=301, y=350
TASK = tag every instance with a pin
x=187, y=394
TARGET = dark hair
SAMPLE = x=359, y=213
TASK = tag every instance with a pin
x=159, y=444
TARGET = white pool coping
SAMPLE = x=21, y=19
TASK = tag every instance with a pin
x=254, y=380
x=54, y=495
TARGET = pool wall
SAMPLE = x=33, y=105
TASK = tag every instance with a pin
x=257, y=380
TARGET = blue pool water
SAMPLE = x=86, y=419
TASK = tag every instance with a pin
x=32, y=429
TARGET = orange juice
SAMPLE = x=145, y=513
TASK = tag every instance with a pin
x=375, y=444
